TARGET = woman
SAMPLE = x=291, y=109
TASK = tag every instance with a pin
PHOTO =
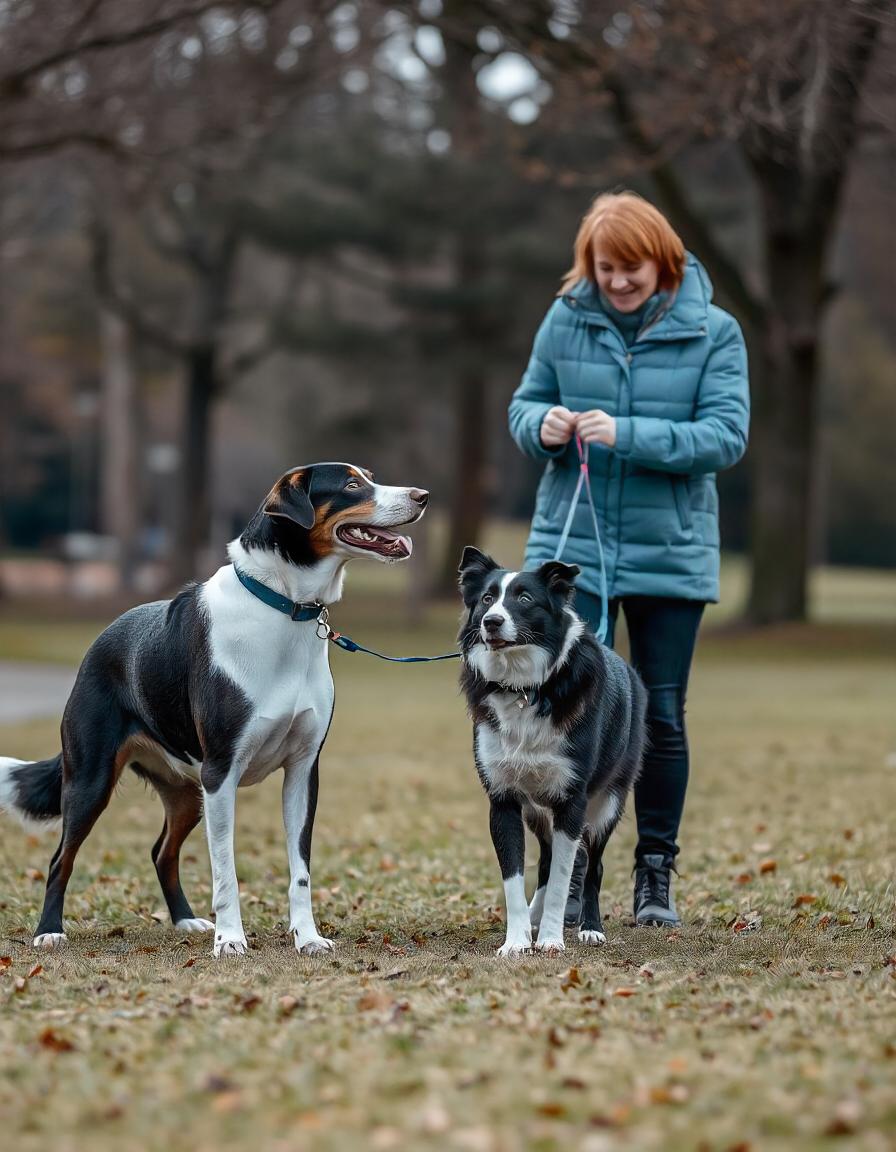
x=635, y=360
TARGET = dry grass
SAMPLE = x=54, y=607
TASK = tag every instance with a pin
x=765, y=1023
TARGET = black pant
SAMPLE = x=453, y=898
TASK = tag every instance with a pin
x=662, y=633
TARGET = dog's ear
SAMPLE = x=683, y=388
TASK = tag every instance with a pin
x=289, y=498
x=474, y=565
x=559, y=578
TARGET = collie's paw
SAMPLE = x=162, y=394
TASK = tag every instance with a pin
x=47, y=941
x=197, y=924
x=591, y=936
x=224, y=948
x=312, y=946
x=550, y=944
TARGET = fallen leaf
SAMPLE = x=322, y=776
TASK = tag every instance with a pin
x=5, y=962
x=570, y=979
x=54, y=1042
x=836, y=879
x=227, y=1101
x=744, y=877
x=846, y=1118
x=669, y=1094
x=374, y=1001
x=249, y=1003
x=551, y=1108
x=805, y=898
x=216, y=1083
x=625, y=992
x=287, y=1005
x=768, y=866
x=36, y=970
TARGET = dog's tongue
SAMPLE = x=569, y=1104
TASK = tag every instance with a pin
x=401, y=545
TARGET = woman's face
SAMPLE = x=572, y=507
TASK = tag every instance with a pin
x=626, y=286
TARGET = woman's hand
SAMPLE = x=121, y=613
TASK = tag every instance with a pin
x=596, y=427
x=558, y=427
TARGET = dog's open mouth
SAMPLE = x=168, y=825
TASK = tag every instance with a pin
x=381, y=541
x=495, y=644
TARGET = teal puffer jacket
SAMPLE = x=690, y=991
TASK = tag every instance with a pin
x=681, y=401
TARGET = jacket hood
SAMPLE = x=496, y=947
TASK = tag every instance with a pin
x=685, y=312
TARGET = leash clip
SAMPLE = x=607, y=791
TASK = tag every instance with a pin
x=323, y=623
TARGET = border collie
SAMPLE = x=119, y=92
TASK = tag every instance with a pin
x=215, y=690
x=558, y=734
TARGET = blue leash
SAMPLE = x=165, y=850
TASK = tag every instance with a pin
x=313, y=610
x=349, y=645
x=584, y=481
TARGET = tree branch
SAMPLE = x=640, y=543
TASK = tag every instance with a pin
x=14, y=83
x=724, y=270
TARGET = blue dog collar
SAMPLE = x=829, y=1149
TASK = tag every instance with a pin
x=294, y=609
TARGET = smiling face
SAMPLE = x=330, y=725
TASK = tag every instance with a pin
x=324, y=509
x=626, y=284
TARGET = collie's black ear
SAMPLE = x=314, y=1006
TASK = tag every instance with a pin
x=559, y=577
x=474, y=565
x=289, y=499
x=475, y=561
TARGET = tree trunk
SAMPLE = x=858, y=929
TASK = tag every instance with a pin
x=798, y=225
x=120, y=480
x=470, y=445
x=193, y=500
x=463, y=115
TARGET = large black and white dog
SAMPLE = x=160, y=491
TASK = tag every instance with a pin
x=214, y=690
x=558, y=734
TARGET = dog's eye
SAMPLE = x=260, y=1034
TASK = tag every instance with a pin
x=488, y=599
x=524, y=598
x=353, y=485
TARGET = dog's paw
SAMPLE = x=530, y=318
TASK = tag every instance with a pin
x=313, y=946
x=591, y=936
x=197, y=924
x=47, y=941
x=224, y=948
x=516, y=945
x=550, y=944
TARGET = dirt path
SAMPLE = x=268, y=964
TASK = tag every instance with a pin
x=33, y=691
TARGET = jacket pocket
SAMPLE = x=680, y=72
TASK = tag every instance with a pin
x=682, y=495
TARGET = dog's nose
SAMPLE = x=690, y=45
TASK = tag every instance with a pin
x=492, y=623
x=419, y=496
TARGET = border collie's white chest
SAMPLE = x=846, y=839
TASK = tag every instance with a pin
x=525, y=753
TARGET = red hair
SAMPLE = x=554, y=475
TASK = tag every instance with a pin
x=630, y=229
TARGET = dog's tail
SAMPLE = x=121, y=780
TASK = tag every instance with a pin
x=32, y=790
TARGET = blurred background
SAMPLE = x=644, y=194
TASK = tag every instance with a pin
x=240, y=237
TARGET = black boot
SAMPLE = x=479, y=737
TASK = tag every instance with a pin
x=572, y=918
x=654, y=906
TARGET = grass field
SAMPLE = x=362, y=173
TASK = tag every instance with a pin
x=766, y=1022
